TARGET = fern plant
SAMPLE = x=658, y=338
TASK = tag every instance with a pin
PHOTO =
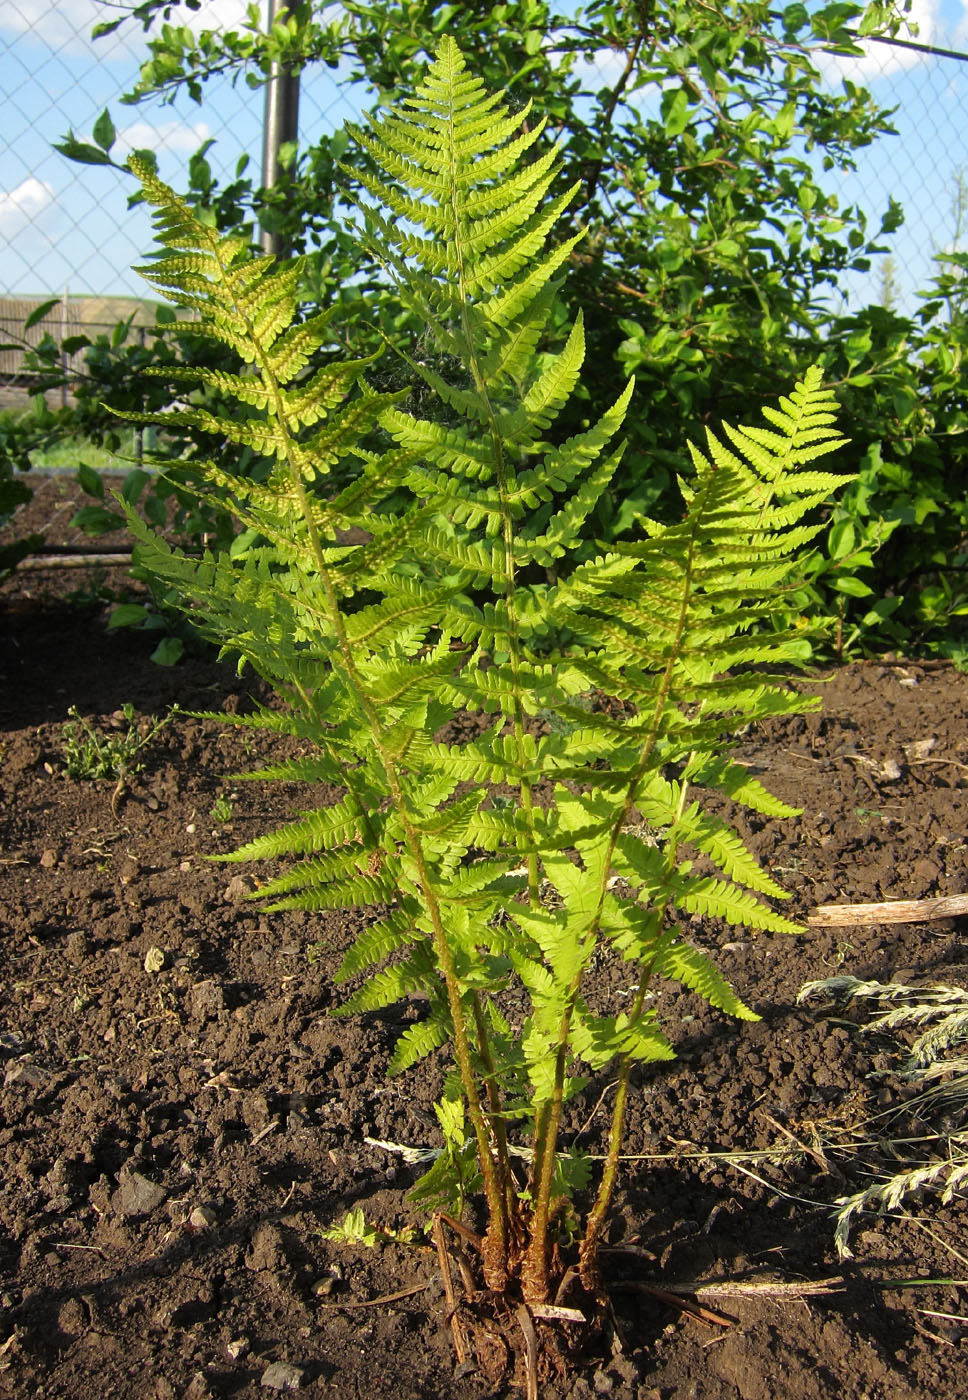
x=519, y=856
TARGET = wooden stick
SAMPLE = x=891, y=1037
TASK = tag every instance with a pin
x=897, y=911
x=766, y=1288
x=461, y=1230
x=804, y=1147
x=460, y=1344
x=676, y=1299
x=530, y=1350
x=372, y=1302
x=554, y=1312
x=75, y=561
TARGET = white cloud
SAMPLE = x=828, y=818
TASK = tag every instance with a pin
x=65, y=25
x=24, y=206
x=921, y=25
x=167, y=136
x=958, y=35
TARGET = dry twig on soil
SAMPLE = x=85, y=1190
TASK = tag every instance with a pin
x=894, y=911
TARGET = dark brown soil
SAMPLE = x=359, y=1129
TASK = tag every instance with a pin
x=172, y=1141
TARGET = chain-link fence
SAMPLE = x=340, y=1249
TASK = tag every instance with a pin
x=925, y=165
x=69, y=234
x=66, y=228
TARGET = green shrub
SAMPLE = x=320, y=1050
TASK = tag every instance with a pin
x=709, y=264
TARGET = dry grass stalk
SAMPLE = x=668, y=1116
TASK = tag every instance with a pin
x=940, y=1013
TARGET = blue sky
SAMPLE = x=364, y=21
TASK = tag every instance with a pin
x=67, y=227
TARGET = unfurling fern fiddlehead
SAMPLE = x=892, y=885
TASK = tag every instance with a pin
x=443, y=605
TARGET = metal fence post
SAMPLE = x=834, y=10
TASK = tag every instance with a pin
x=281, y=124
x=63, y=336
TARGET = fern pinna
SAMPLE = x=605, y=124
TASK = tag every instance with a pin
x=470, y=588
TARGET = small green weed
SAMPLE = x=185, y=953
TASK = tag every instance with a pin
x=222, y=809
x=354, y=1230
x=91, y=754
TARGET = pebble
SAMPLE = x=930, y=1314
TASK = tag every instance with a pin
x=208, y=998
x=136, y=1195
x=282, y=1376
x=72, y=1318
x=34, y=1076
x=202, y=1218
x=77, y=948
x=267, y=1253
x=624, y=1369
x=239, y=888
x=198, y=1388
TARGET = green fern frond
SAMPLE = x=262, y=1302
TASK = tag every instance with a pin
x=682, y=962
x=316, y=885
x=452, y=450
x=720, y=773
x=378, y=941
x=314, y=768
x=417, y=1042
x=721, y=899
x=599, y=1040
x=324, y=829
x=644, y=866
x=633, y=930
x=723, y=846
x=417, y=973
x=562, y=530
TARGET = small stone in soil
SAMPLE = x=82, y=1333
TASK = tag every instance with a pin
x=202, y=1218
x=72, y=1318
x=281, y=1376
x=136, y=1195
x=267, y=1252
x=77, y=948
x=208, y=998
x=198, y=1388
x=34, y=1076
x=239, y=887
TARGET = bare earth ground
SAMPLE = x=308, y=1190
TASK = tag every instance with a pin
x=173, y=1140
